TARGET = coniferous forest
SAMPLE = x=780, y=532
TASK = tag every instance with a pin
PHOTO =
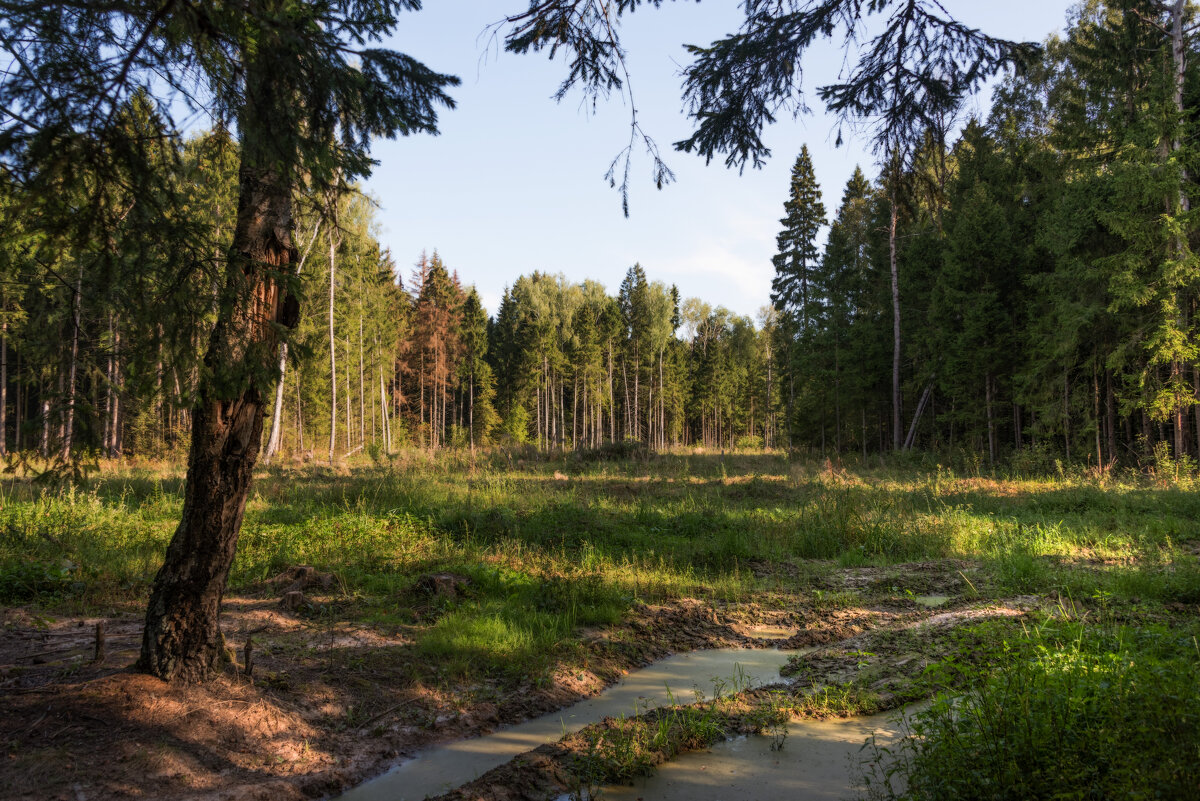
x=286, y=514
x=1045, y=304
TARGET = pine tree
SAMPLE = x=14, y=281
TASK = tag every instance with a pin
x=474, y=372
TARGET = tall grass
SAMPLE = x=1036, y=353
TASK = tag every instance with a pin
x=1069, y=712
x=546, y=555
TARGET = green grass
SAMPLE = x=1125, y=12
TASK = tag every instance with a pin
x=1066, y=711
x=547, y=556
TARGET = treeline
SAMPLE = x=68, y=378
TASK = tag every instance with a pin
x=1030, y=287
x=103, y=330
x=1047, y=280
x=560, y=365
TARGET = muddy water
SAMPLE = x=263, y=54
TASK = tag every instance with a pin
x=445, y=767
x=817, y=763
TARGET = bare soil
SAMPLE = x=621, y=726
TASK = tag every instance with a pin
x=330, y=704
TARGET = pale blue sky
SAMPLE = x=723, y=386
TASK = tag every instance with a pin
x=514, y=182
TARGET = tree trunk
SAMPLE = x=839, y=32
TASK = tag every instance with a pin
x=384, y=423
x=332, y=347
x=299, y=420
x=612, y=398
x=45, y=448
x=1067, y=416
x=1110, y=402
x=991, y=422
x=837, y=400
x=893, y=220
x=118, y=430
x=362, y=386
x=1096, y=413
x=1017, y=437
x=1196, y=389
x=106, y=439
x=4, y=379
x=182, y=638
x=69, y=423
x=911, y=439
x=18, y=409
x=864, y=433
x=625, y=386
x=277, y=414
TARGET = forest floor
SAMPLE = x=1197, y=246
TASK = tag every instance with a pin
x=434, y=598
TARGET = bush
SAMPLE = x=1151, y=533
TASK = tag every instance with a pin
x=31, y=580
x=624, y=450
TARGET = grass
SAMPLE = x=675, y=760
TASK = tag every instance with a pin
x=1097, y=699
x=547, y=556
x=1066, y=711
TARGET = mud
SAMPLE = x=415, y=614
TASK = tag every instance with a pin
x=332, y=704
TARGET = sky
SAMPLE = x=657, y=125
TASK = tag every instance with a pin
x=515, y=181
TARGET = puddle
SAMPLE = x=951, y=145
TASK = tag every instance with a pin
x=446, y=767
x=932, y=601
x=817, y=763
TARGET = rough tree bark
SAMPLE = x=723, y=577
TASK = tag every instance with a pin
x=182, y=639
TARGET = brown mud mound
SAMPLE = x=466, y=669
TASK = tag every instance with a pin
x=888, y=661
x=329, y=704
x=442, y=585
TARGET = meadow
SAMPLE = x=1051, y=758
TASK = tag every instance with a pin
x=552, y=556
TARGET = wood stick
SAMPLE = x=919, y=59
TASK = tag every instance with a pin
x=248, y=657
x=99, y=657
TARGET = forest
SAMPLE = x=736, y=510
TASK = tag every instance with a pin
x=285, y=514
x=1046, y=306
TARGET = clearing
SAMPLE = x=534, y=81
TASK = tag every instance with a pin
x=390, y=607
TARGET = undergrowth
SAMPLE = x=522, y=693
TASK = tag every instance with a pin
x=1067, y=710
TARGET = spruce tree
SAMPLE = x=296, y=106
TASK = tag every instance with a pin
x=306, y=87
x=794, y=289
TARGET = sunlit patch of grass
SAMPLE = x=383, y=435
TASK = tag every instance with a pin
x=1109, y=712
x=546, y=556
x=494, y=640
